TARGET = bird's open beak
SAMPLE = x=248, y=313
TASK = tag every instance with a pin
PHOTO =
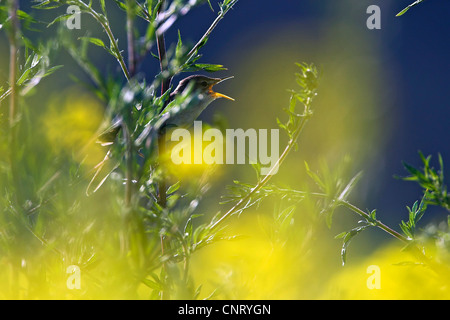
x=220, y=95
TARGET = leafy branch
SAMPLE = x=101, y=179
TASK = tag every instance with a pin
x=415, y=214
x=224, y=8
x=101, y=18
x=431, y=180
x=307, y=79
x=330, y=202
x=193, y=239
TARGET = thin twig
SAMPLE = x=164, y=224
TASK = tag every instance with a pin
x=166, y=79
x=104, y=23
x=165, y=83
x=127, y=134
x=130, y=40
x=378, y=223
x=291, y=144
x=13, y=103
x=209, y=31
x=13, y=62
x=349, y=206
x=5, y=95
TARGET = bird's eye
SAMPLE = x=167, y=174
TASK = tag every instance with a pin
x=204, y=84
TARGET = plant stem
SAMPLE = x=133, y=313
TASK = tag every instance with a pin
x=263, y=182
x=353, y=208
x=209, y=31
x=378, y=223
x=127, y=135
x=130, y=40
x=104, y=23
x=14, y=6
x=414, y=249
x=129, y=167
x=13, y=101
x=165, y=83
x=163, y=63
x=5, y=95
x=162, y=196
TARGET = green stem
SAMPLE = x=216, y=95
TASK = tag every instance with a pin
x=13, y=98
x=162, y=197
x=14, y=6
x=129, y=167
x=5, y=95
x=206, y=35
x=208, y=32
x=104, y=23
x=116, y=50
x=353, y=208
x=378, y=223
x=130, y=39
x=127, y=134
x=291, y=144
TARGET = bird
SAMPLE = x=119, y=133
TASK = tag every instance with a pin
x=202, y=87
x=173, y=115
x=196, y=93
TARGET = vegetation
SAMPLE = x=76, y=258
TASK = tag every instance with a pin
x=119, y=211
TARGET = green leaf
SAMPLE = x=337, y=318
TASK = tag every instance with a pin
x=152, y=284
x=52, y=69
x=60, y=18
x=285, y=217
x=173, y=188
x=402, y=12
x=441, y=167
x=102, y=2
x=100, y=43
x=188, y=227
x=329, y=212
x=315, y=177
x=348, y=236
x=210, y=5
x=24, y=76
x=121, y=5
x=96, y=41
x=280, y=124
x=27, y=42
x=292, y=104
x=372, y=217
x=257, y=167
x=179, y=47
x=349, y=187
x=416, y=174
x=25, y=16
x=415, y=214
x=46, y=4
x=205, y=67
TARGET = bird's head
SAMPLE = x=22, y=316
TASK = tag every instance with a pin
x=202, y=85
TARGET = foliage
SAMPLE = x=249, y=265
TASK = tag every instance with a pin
x=138, y=227
x=432, y=181
x=151, y=236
